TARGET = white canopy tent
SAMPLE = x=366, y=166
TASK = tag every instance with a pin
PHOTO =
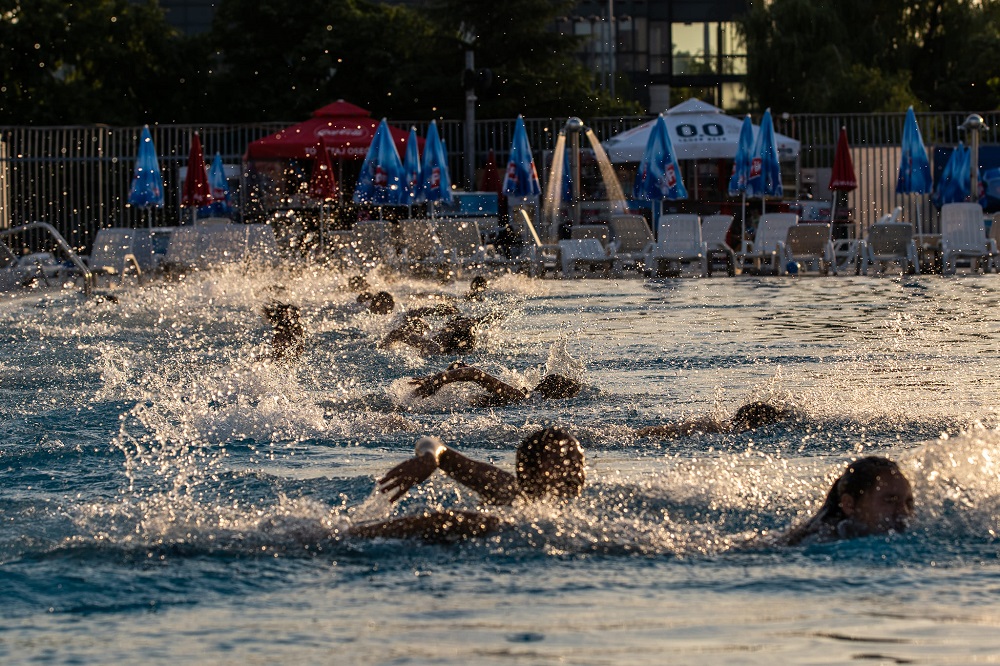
x=698, y=131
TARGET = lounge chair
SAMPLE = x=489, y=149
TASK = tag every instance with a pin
x=810, y=243
x=370, y=245
x=462, y=242
x=714, y=231
x=537, y=257
x=599, y=231
x=678, y=243
x=421, y=249
x=631, y=239
x=116, y=252
x=211, y=246
x=768, y=245
x=963, y=236
x=890, y=242
x=586, y=253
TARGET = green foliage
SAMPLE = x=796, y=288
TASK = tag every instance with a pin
x=103, y=61
x=873, y=55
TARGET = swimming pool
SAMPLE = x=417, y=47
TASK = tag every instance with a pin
x=169, y=498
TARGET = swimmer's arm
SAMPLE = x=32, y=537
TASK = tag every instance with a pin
x=680, y=429
x=439, y=310
x=493, y=484
x=495, y=387
x=433, y=527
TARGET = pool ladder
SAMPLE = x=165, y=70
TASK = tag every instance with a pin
x=85, y=272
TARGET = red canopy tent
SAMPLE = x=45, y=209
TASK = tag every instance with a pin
x=345, y=129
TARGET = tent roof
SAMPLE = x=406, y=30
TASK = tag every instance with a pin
x=698, y=130
x=345, y=129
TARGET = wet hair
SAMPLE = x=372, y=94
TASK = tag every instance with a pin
x=477, y=286
x=413, y=326
x=535, y=474
x=458, y=334
x=557, y=387
x=382, y=303
x=357, y=283
x=289, y=335
x=757, y=414
x=858, y=478
x=365, y=297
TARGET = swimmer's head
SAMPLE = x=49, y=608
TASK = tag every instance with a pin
x=358, y=283
x=550, y=462
x=873, y=494
x=756, y=414
x=557, y=387
x=365, y=297
x=458, y=334
x=281, y=314
x=477, y=286
x=382, y=303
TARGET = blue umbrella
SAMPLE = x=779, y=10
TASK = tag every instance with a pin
x=765, y=171
x=218, y=185
x=147, y=183
x=435, y=182
x=411, y=168
x=741, y=169
x=954, y=183
x=914, y=167
x=521, y=179
x=381, y=178
x=659, y=175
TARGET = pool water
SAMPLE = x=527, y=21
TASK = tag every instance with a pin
x=168, y=496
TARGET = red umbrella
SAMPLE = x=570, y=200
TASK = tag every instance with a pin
x=491, y=181
x=322, y=184
x=196, y=191
x=346, y=130
x=842, y=179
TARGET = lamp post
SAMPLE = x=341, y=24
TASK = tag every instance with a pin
x=973, y=125
x=467, y=35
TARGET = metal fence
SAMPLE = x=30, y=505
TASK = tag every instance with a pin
x=78, y=178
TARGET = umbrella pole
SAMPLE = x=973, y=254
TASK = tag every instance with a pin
x=743, y=222
x=833, y=213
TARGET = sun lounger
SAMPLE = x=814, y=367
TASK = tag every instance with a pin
x=678, y=243
x=116, y=252
x=211, y=246
x=631, y=239
x=599, y=231
x=810, y=243
x=768, y=245
x=370, y=245
x=586, y=253
x=714, y=231
x=421, y=250
x=537, y=257
x=890, y=242
x=462, y=242
x=963, y=236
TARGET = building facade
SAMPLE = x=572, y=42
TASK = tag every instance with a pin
x=656, y=52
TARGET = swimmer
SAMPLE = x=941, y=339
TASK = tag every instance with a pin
x=358, y=283
x=380, y=302
x=458, y=335
x=871, y=497
x=498, y=392
x=288, y=341
x=477, y=287
x=748, y=417
x=549, y=463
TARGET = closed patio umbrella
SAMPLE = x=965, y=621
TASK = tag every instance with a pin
x=842, y=178
x=659, y=176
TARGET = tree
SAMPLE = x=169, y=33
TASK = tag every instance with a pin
x=871, y=55
x=104, y=61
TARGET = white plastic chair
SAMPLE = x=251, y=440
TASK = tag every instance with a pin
x=631, y=239
x=678, y=242
x=963, y=235
x=714, y=231
x=810, y=242
x=587, y=253
x=768, y=245
x=890, y=242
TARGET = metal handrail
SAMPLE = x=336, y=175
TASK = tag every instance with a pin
x=88, y=277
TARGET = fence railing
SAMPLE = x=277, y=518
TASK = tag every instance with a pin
x=78, y=178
